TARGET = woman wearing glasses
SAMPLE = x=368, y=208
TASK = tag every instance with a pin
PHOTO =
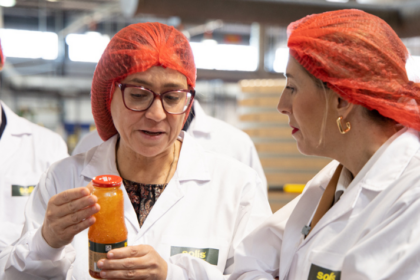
x=179, y=199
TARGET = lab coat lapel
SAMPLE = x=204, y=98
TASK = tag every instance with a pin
x=376, y=175
x=169, y=197
x=8, y=145
x=191, y=166
x=103, y=162
x=347, y=203
x=301, y=216
x=15, y=129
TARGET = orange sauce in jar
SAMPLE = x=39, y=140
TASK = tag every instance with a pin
x=109, y=230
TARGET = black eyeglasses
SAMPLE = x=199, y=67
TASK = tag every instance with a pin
x=139, y=99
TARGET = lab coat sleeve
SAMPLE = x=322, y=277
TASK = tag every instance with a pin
x=391, y=250
x=254, y=209
x=255, y=163
x=258, y=255
x=31, y=257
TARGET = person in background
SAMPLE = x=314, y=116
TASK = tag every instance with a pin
x=348, y=97
x=179, y=199
x=26, y=151
x=213, y=134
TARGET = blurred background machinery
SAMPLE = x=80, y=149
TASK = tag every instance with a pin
x=52, y=47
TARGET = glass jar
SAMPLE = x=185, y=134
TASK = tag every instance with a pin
x=109, y=230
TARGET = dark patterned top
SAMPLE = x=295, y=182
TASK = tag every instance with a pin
x=143, y=197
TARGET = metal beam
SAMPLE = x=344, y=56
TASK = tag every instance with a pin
x=279, y=13
x=234, y=76
x=97, y=15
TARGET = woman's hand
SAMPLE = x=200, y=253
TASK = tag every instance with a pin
x=69, y=213
x=134, y=262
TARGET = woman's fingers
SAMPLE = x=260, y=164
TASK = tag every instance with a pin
x=68, y=213
x=72, y=207
x=71, y=231
x=129, y=252
x=124, y=264
x=69, y=195
x=133, y=262
x=78, y=217
x=126, y=274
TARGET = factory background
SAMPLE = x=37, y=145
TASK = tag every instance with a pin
x=239, y=46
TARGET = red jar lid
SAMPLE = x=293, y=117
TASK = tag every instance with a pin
x=106, y=181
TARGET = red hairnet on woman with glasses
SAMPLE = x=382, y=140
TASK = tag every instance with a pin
x=348, y=98
x=186, y=209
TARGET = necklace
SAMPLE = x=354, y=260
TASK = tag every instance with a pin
x=170, y=168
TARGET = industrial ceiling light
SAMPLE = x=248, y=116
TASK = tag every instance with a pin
x=7, y=3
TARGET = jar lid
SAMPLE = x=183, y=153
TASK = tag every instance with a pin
x=106, y=181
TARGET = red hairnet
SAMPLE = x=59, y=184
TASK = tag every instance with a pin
x=134, y=49
x=361, y=58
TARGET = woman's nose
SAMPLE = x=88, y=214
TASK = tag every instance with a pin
x=284, y=106
x=156, y=111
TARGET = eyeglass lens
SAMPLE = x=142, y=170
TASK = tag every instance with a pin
x=173, y=101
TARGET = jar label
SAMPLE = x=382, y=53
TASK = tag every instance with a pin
x=98, y=251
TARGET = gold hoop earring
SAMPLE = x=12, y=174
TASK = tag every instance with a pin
x=340, y=126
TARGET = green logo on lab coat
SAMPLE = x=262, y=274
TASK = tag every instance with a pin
x=209, y=255
x=22, y=190
x=320, y=273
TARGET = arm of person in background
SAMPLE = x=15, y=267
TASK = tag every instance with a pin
x=52, y=220
x=255, y=163
x=258, y=255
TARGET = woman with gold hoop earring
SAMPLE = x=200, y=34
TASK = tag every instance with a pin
x=348, y=97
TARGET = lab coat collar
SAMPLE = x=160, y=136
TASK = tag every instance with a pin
x=15, y=128
x=383, y=168
x=192, y=165
x=200, y=123
x=389, y=162
x=103, y=160
x=378, y=173
x=344, y=180
x=16, y=125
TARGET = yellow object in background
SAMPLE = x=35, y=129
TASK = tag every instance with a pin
x=293, y=188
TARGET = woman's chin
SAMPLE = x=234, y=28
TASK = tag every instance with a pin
x=149, y=152
x=304, y=149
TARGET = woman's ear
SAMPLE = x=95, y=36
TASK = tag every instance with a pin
x=342, y=106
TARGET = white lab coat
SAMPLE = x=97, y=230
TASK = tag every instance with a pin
x=212, y=201
x=26, y=151
x=372, y=232
x=221, y=137
x=213, y=134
